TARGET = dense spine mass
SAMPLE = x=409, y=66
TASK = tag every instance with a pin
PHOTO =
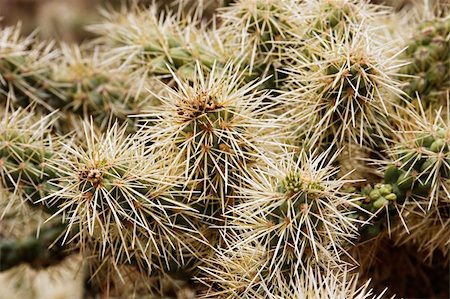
x=27, y=156
x=282, y=149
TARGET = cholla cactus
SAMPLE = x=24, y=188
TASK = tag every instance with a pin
x=327, y=284
x=86, y=86
x=323, y=21
x=297, y=211
x=71, y=80
x=119, y=206
x=215, y=130
x=238, y=274
x=345, y=96
x=27, y=156
x=421, y=159
x=266, y=153
x=427, y=75
x=258, y=32
x=27, y=244
x=341, y=74
x=419, y=177
x=329, y=19
x=415, y=178
x=149, y=43
x=24, y=68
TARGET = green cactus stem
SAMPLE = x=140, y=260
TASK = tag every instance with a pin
x=27, y=158
x=24, y=69
x=427, y=76
x=39, y=251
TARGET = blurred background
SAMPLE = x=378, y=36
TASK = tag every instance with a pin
x=66, y=19
x=56, y=19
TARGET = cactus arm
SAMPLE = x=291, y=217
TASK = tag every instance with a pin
x=37, y=251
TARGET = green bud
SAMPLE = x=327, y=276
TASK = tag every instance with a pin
x=388, y=187
x=391, y=197
x=374, y=194
x=385, y=191
x=381, y=202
